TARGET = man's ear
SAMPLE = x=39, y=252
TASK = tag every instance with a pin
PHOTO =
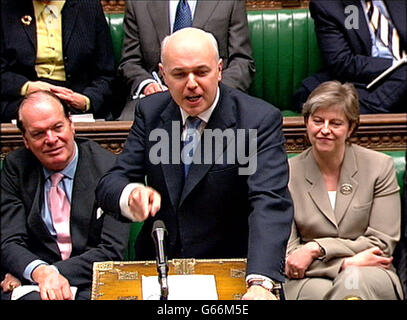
x=71, y=124
x=161, y=69
x=26, y=142
x=220, y=67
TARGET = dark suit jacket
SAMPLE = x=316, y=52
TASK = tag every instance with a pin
x=347, y=54
x=87, y=50
x=217, y=213
x=146, y=23
x=24, y=236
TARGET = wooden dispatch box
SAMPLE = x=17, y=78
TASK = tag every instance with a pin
x=122, y=280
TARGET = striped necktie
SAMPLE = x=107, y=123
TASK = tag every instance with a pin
x=384, y=30
x=60, y=211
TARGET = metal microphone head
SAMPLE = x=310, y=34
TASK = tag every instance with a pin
x=158, y=224
x=158, y=234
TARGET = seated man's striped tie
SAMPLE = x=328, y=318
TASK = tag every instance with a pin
x=384, y=30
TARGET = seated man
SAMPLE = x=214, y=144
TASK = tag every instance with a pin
x=52, y=232
x=146, y=23
x=229, y=198
x=354, y=51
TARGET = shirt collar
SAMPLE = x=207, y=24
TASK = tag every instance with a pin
x=68, y=171
x=204, y=116
x=55, y=5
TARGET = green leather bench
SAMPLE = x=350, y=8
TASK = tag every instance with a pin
x=285, y=51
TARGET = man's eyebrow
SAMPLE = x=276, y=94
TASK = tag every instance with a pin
x=203, y=66
x=34, y=130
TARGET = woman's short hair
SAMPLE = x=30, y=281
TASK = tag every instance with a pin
x=334, y=94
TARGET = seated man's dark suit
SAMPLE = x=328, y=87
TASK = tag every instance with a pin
x=146, y=23
x=24, y=235
x=347, y=55
x=87, y=49
x=216, y=213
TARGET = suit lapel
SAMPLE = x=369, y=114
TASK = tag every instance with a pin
x=203, y=11
x=222, y=118
x=347, y=185
x=83, y=188
x=159, y=13
x=69, y=15
x=173, y=171
x=398, y=14
x=26, y=9
x=317, y=189
x=34, y=220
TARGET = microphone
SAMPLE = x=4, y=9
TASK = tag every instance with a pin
x=158, y=234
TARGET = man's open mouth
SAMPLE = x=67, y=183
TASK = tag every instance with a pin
x=193, y=98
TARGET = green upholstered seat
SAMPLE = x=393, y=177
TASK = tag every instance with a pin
x=115, y=22
x=134, y=231
x=285, y=50
x=400, y=166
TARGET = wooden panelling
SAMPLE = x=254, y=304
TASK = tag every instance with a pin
x=378, y=132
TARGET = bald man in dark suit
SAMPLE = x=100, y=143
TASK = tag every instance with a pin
x=217, y=208
x=146, y=23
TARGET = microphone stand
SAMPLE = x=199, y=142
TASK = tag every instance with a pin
x=163, y=280
x=158, y=234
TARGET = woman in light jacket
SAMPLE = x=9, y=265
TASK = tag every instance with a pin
x=347, y=207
